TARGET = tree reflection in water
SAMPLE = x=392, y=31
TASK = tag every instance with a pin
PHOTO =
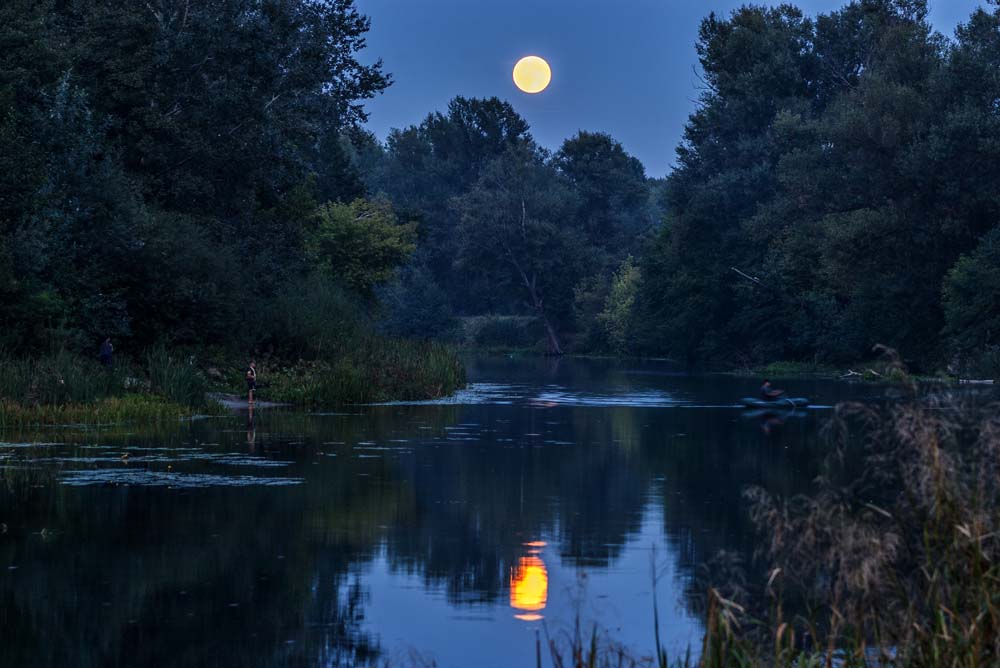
x=460, y=496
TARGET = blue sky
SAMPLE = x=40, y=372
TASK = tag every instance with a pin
x=625, y=67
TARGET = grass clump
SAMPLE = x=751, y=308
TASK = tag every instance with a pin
x=893, y=560
x=176, y=379
x=63, y=388
x=106, y=411
x=376, y=370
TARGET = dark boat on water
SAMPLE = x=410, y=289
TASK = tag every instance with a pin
x=776, y=403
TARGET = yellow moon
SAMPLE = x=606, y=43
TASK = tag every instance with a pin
x=532, y=74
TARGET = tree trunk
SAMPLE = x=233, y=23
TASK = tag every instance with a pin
x=553, y=347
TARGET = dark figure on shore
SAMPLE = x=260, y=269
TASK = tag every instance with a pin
x=251, y=381
x=768, y=393
x=106, y=350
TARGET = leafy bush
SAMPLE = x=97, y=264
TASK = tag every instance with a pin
x=361, y=243
x=619, y=306
x=313, y=319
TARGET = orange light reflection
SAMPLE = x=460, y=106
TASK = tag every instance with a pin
x=529, y=587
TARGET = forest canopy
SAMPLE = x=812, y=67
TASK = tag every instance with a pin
x=837, y=187
x=191, y=174
x=851, y=164
x=163, y=165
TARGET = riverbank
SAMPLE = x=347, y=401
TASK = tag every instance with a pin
x=129, y=408
x=67, y=389
x=375, y=370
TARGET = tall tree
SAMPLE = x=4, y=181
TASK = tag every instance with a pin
x=426, y=165
x=614, y=203
x=518, y=220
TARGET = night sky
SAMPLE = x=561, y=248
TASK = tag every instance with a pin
x=625, y=68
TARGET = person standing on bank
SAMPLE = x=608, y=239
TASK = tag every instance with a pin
x=251, y=380
x=106, y=350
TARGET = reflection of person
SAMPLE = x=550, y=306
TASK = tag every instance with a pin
x=251, y=381
x=251, y=430
x=768, y=393
x=106, y=350
x=769, y=422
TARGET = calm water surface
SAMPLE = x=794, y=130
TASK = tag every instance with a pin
x=448, y=532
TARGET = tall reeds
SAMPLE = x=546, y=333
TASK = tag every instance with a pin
x=63, y=388
x=372, y=370
x=892, y=561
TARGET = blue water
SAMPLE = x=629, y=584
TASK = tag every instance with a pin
x=451, y=531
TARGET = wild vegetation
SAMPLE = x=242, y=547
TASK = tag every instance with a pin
x=850, y=174
x=63, y=389
x=509, y=230
x=173, y=176
x=836, y=188
x=838, y=194
x=892, y=559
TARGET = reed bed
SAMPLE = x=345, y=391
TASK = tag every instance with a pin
x=373, y=371
x=63, y=388
x=107, y=411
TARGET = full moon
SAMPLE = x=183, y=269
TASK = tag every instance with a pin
x=532, y=74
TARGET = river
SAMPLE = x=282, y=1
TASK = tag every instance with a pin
x=446, y=532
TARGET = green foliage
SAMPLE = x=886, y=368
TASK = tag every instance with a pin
x=589, y=297
x=972, y=298
x=847, y=170
x=59, y=379
x=178, y=380
x=128, y=408
x=514, y=225
x=790, y=369
x=159, y=163
x=362, y=243
x=417, y=308
x=374, y=370
x=618, y=307
x=463, y=175
x=313, y=318
x=64, y=388
x=613, y=196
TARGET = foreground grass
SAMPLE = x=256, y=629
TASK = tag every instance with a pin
x=892, y=561
x=66, y=389
x=161, y=385
x=143, y=408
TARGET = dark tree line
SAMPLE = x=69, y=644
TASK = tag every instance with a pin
x=162, y=166
x=196, y=173
x=508, y=228
x=851, y=164
x=837, y=187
